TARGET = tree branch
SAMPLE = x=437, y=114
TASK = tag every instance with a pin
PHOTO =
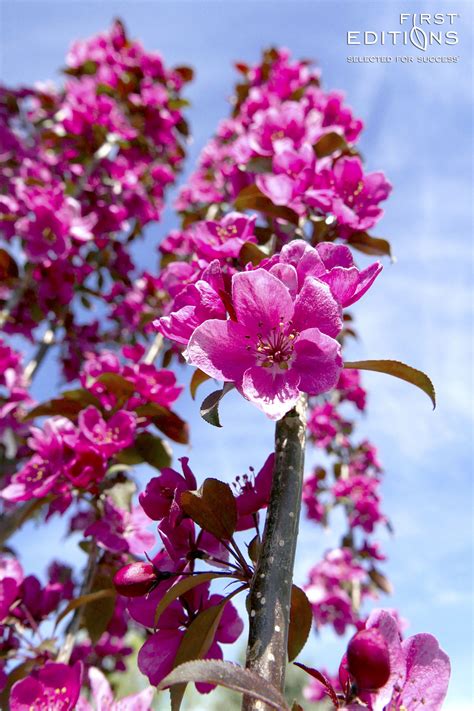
x=270, y=593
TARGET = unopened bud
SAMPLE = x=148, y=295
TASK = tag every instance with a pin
x=135, y=579
x=368, y=660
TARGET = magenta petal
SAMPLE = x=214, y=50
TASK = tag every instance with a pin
x=386, y=624
x=279, y=188
x=343, y=283
x=260, y=300
x=428, y=672
x=273, y=393
x=156, y=657
x=366, y=279
x=218, y=348
x=287, y=275
x=318, y=361
x=100, y=687
x=335, y=255
x=315, y=307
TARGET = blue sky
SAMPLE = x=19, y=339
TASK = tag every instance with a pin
x=419, y=131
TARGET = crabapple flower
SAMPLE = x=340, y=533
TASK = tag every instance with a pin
x=122, y=531
x=278, y=346
x=55, y=687
x=419, y=669
x=11, y=577
x=331, y=263
x=350, y=389
x=103, y=698
x=253, y=493
x=192, y=306
x=157, y=655
x=348, y=194
x=111, y=436
x=324, y=424
x=292, y=174
x=225, y=238
x=162, y=491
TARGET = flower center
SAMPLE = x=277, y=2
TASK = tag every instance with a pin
x=276, y=347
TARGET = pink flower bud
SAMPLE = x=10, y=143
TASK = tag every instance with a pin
x=368, y=659
x=135, y=579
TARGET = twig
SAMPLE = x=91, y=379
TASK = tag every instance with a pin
x=153, y=350
x=73, y=628
x=43, y=347
x=270, y=592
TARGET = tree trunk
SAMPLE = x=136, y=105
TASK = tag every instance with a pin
x=270, y=594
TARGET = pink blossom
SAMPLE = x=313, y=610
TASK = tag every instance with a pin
x=122, y=531
x=34, y=480
x=328, y=262
x=419, y=669
x=253, y=493
x=156, y=657
x=315, y=509
x=349, y=195
x=324, y=424
x=111, y=436
x=363, y=500
x=55, y=687
x=292, y=174
x=193, y=305
x=11, y=577
x=277, y=347
x=223, y=238
x=162, y=491
x=350, y=389
x=103, y=698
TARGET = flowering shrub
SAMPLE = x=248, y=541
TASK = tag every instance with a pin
x=252, y=291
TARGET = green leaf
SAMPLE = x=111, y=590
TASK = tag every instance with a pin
x=301, y=617
x=381, y=581
x=210, y=405
x=98, y=612
x=63, y=407
x=153, y=450
x=259, y=164
x=84, y=600
x=323, y=680
x=82, y=396
x=180, y=588
x=329, y=143
x=119, y=386
x=251, y=253
x=229, y=675
x=8, y=266
x=165, y=420
x=212, y=507
x=195, y=644
x=122, y=492
x=370, y=245
x=186, y=73
x=251, y=198
x=398, y=370
x=198, y=378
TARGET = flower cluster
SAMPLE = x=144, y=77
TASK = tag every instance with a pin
x=25, y=604
x=184, y=546
x=272, y=331
x=94, y=426
x=14, y=400
x=380, y=671
x=295, y=143
x=85, y=168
